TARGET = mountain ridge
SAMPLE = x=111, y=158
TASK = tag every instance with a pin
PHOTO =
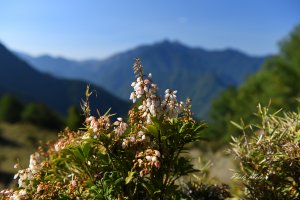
x=172, y=64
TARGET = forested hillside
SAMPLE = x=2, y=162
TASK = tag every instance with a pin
x=277, y=82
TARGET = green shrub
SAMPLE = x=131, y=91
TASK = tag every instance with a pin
x=269, y=155
x=41, y=115
x=74, y=119
x=10, y=109
x=136, y=159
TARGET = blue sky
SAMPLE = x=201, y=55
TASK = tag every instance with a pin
x=98, y=28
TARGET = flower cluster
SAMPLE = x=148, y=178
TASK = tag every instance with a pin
x=15, y=195
x=26, y=175
x=103, y=123
x=153, y=105
x=145, y=160
x=6, y=192
x=121, y=127
x=145, y=88
x=171, y=107
x=66, y=140
x=96, y=126
x=133, y=139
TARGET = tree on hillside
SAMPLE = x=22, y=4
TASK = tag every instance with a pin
x=277, y=82
x=10, y=109
x=41, y=115
x=74, y=119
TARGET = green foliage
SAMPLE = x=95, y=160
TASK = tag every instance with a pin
x=41, y=115
x=10, y=109
x=200, y=191
x=269, y=156
x=74, y=119
x=277, y=81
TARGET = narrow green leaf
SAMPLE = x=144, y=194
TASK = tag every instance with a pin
x=118, y=181
x=106, y=113
x=86, y=149
x=78, y=154
x=157, y=192
x=237, y=125
x=182, y=127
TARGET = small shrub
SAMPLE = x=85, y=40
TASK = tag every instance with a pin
x=138, y=158
x=10, y=109
x=269, y=155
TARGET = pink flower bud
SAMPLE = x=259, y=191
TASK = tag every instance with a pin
x=157, y=153
x=73, y=183
x=148, y=158
x=39, y=188
x=154, y=158
x=157, y=164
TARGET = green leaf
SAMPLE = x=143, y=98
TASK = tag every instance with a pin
x=153, y=130
x=199, y=127
x=157, y=192
x=237, y=125
x=86, y=149
x=118, y=181
x=129, y=177
x=94, y=187
x=183, y=127
x=106, y=113
x=78, y=154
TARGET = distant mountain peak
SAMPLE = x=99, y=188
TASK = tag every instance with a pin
x=169, y=43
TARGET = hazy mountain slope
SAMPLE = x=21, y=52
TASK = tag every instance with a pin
x=195, y=72
x=60, y=67
x=19, y=78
